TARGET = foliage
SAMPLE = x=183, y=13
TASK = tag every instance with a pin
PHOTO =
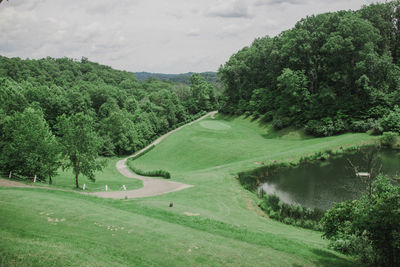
x=127, y=115
x=210, y=77
x=374, y=219
x=389, y=139
x=154, y=173
x=27, y=145
x=80, y=145
x=330, y=73
x=293, y=214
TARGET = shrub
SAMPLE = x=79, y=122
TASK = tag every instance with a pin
x=155, y=173
x=323, y=127
x=290, y=214
x=360, y=126
x=389, y=139
x=280, y=122
x=391, y=121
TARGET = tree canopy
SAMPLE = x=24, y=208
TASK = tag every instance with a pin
x=331, y=73
x=55, y=94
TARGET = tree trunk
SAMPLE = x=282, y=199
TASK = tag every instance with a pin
x=50, y=180
x=76, y=180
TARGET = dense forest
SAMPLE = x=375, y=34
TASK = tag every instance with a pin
x=45, y=104
x=331, y=73
x=210, y=77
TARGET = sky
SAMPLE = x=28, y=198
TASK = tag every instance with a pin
x=165, y=36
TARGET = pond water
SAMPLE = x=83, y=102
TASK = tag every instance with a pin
x=320, y=184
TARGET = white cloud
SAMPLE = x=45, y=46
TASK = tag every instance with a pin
x=153, y=35
x=280, y=2
x=229, y=9
x=194, y=32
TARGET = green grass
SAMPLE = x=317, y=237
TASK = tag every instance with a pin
x=110, y=176
x=214, y=223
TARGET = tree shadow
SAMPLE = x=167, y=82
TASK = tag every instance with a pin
x=326, y=258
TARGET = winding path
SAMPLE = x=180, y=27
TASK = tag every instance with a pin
x=151, y=186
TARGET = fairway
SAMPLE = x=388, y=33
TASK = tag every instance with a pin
x=215, y=222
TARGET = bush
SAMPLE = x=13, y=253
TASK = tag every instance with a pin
x=320, y=128
x=291, y=214
x=391, y=121
x=360, y=126
x=389, y=139
x=281, y=122
x=155, y=173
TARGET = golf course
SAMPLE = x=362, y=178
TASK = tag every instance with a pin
x=213, y=222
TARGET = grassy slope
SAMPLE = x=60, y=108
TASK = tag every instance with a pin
x=228, y=229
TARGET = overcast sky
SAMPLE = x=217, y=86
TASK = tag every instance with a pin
x=167, y=36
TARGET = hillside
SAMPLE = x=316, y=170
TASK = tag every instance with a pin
x=211, y=223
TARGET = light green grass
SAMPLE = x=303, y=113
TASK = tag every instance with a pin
x=214, y=223
x=239, y=146
x=66, y=229
x=109, y=176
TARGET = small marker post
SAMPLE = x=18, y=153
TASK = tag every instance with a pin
x=34, y=179
x=124, y=187
x=10, y=175
x=84, y=187
x=106, y=187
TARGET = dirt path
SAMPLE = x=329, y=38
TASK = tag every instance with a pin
x=9, y=183
x=151, y=186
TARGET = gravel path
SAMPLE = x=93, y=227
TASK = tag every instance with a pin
x=151, y=186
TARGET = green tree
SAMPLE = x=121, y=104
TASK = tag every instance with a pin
x=28, y=146
x=373, y=221
x=80, y=145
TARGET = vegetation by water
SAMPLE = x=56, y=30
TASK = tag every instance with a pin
x=331, y=73
x=369, y=227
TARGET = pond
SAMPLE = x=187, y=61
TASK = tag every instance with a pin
x=320, y=184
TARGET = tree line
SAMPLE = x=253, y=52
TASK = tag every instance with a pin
x=64, y=112
x=331, y=73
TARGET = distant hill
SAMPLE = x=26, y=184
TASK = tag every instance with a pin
x=210, y=77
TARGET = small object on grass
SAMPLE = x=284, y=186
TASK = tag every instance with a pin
x=34, y=179
x=171, y=204
x=106, y=187
x=10, y=175
x=124, y=187
x=84, y=186
x=126, y=197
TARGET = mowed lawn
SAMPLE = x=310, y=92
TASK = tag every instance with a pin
x=214, y=223
x=109, y=176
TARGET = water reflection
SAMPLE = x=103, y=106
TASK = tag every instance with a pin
x=320, y=184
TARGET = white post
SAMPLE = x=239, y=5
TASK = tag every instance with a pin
x=84, y=186
x=10, y=175
x=34, y=179
x=106, y=188
x=124, y=187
